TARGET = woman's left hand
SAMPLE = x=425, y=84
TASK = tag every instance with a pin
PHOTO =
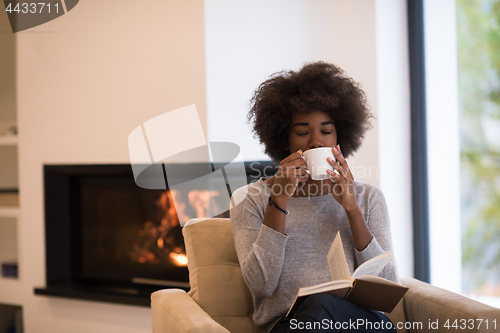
x=342, y=184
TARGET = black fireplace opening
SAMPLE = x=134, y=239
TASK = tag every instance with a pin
x=107, y=239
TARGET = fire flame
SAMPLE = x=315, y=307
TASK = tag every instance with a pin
x=156, y=243
x=201, y=200
x=179, y=259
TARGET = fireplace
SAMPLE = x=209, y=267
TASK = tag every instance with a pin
x=107, y=239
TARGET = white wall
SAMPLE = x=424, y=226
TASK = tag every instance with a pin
x=355, y=52
x=393, y=104
x=246, y=41
x=443, y=143
x=84, y=82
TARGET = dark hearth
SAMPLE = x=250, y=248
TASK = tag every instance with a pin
x=108, y=239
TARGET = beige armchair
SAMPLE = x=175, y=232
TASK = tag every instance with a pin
x=219, y=299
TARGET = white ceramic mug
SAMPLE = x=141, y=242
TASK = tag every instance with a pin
x=317, y=164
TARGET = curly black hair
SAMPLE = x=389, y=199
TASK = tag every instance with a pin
x=317, y=86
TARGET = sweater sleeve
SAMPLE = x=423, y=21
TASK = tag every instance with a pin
x=379, y=225
x=260, y=249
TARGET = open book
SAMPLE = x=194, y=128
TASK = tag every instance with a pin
x=364, y=287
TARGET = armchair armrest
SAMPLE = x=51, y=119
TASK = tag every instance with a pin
x=424, y=302
x=174, y=311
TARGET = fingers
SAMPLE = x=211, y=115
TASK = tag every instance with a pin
x=336, y=178
x=293, y=167
x=342, y=191
x=299, y=173
x=342, y=162
x=341, y=171
x=297, y=156
x=302, y=179
x=294, y=160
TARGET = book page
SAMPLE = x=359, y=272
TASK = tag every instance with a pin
x=337, y=262
x=373, y=266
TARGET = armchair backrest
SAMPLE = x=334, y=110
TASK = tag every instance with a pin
x=215, y=277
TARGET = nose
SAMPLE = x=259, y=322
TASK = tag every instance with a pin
x=315, y=141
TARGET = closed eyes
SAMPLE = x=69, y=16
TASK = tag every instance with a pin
x=302, y=134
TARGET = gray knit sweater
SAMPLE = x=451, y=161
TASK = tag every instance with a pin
x=275, y=266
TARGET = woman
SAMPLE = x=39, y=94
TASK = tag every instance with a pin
x=285, y=225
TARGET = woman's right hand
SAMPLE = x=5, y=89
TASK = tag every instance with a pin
x=291, y=172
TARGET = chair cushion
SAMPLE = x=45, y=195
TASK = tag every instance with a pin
x=425, y=303
x=215, y=277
